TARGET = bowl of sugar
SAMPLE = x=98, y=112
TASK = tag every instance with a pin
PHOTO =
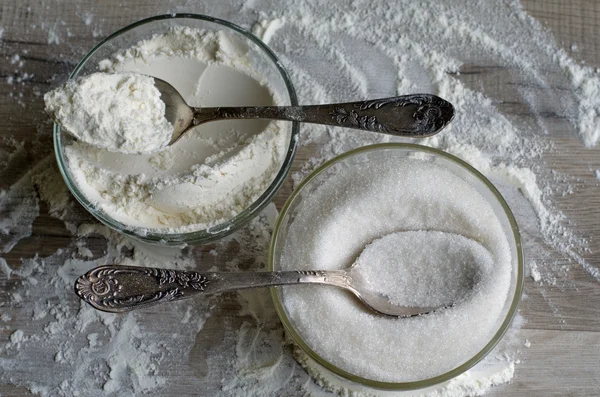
x=217, y=177
x=450, y=237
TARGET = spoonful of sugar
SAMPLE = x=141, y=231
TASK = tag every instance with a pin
x=134, y=113
x=424, y=268
x=385, y=277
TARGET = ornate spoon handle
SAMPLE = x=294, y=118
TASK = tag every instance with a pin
x=417, y=115
x=117, y=289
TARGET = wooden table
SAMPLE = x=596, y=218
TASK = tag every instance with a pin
x=562, y=322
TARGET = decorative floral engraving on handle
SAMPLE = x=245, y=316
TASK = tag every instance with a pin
x=343, y=116
x=103, y=289
x=432, y=113
x=182, y=278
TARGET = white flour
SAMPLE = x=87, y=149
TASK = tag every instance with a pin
x=120, y=112
x=214, y=171
x=334, y=52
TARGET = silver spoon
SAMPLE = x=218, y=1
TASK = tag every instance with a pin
x=416, y=116
x=117, y=289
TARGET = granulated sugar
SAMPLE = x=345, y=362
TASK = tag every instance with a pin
x=426, y=268
x=403, y=206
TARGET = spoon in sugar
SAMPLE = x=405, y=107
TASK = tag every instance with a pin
x=413, y=116
x=400, y=274
x=381, y=277
x=118, y=288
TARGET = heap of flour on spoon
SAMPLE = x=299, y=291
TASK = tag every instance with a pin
x=207, y=177
x=121, y=112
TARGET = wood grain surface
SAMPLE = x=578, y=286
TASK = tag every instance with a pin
x=562, y=322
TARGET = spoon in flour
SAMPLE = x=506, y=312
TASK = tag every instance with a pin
x=135, y=113
x=413, y=116
x=117, y=289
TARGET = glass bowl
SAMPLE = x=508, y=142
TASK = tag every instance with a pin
x=355, y=158
x=261, y=58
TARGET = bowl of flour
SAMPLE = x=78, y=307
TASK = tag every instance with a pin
x=428, y=229
x=219, y=175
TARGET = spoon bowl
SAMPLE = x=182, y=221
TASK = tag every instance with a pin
x=177, y=111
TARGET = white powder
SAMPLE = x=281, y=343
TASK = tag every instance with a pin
x=213, y=172
x=5, y=268
x=265, y=29
x=425, y=268
x=585, y=82
x=53, y=31
x=88, y=18
x=16, y=338
x=96, y=353
x=534, y=272
x=120, y=112
x=83, y=251
x=382, y=193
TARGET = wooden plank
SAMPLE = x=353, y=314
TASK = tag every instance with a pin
x=557, y=363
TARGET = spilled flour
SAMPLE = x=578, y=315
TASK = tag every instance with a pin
x=234, y=345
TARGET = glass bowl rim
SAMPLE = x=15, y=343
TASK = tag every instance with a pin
x=425, y=382
x=214, y=232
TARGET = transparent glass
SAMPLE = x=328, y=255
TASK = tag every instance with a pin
x=261, y=58
x=356, y=158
